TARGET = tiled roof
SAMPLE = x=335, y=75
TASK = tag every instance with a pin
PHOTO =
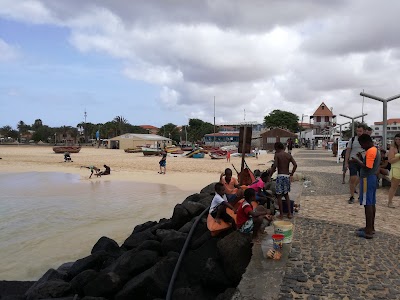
x=323, y=111
x=223, y=134
x=148, y=127
x=389, y=122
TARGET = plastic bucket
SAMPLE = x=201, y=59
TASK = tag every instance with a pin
x=285, y=228
x=278, y=239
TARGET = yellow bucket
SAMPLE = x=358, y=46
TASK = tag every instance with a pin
x=285, y=228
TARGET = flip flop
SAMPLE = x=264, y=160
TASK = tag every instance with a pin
x=362, y=234
x=363, y=229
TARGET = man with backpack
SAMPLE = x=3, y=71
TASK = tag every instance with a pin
x=353, y=148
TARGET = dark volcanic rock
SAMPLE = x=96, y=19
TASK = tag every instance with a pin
x=235, y=253
x=173, y=242
x=132, y=263
x=82, y=279
x=206, y=199
x=93, y=298
x=8, y=288
x=214, y=276
x=152, y=283
x=192, y=293
x=197, y=242
x=150, y=245
x=227, y=294
x=186, y=228
x=105, y=285
x=209, y=189
x=135, y=239
x=194, y=208
x=108, y=245
x=49, y=289
x=50, y=275
x=94, y=261
x=180, y=216
x=144, y=226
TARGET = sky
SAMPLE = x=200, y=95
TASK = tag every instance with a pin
x=155, y=62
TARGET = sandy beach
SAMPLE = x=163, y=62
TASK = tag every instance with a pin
x=185, y=173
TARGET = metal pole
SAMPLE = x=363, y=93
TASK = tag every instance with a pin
x=352, y=126
x=384, y=133
x=214, y=121
x=362, y=110
x=243, y=154
x=301, y=132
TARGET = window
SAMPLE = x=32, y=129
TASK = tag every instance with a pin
x=326, y=119
x=376, y=133
x=376, y=128
x=318, y=119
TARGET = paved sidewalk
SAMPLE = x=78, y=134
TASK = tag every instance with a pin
x=327, y=260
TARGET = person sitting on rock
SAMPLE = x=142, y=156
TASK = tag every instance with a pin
x=231, y=184
x=259, y=187
x=249, y=220
x=219, y=204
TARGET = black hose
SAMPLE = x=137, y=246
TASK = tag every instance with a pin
x=182, y=254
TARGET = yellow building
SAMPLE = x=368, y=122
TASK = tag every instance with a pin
x=133, y=140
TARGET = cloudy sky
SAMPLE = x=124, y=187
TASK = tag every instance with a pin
x=155, y=62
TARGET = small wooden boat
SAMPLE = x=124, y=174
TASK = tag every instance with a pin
x=63, y=149
x=178, y=152
x=187, y=148
x=217, y=156
x=133, y=150
x=198, y=155
x=151, y=151
x=190, y=154
x=171, y=149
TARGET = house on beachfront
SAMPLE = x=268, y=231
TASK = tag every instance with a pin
x=321, y=125
x=270, y=137
x=134, y=140
x=150, y=128
x=393, y=127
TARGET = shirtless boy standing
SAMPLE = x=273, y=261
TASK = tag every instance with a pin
x=282, y=162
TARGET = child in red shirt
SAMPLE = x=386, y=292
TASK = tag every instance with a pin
x=247, y=219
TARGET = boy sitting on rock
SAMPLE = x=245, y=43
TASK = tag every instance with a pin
x=249, y=220
x=219, y=205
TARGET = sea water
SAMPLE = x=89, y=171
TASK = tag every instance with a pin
x=47, y=219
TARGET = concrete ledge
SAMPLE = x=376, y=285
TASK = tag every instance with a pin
x=263, y=277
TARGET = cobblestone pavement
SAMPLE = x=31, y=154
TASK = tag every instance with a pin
x=327, y=260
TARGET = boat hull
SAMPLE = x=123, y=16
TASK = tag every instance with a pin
x=63, y=149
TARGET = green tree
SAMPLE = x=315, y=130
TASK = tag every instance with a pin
x=121, y=123
x=8, y=131
x=135, y=129
x=170, y=131
x=37, y=124
x=22, y=127
x=283, y=119
x=198, y=128
x=43, y=133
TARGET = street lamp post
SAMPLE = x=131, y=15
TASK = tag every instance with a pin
x=340, y=129
x=301, y=133
x=385, y=102
x=352, y=120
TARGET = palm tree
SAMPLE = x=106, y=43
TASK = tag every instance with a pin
x=120, y=122
x=22, y=127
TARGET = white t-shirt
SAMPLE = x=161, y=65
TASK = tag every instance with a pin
x=355, y=147
x=217, y=200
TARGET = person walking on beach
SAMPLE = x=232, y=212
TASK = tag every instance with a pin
x=353, y=148
x=369, y=167
x=163, y=163
x=282, y=162
x=394, y=160
x=228, y=156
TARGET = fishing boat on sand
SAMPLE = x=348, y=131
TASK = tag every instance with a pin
x=151, y=151
x=198, y=155
x=133, y=150
x=217, y=156
x=70, y=149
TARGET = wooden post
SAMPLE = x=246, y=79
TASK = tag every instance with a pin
x=243, y=154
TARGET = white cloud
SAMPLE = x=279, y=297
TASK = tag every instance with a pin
x=8, y=52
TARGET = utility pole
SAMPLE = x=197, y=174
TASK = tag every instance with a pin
x=85, y=114
x=214, y=121
x=384, y=102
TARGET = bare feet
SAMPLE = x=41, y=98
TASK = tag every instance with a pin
x=280, y=217
x=289, y=216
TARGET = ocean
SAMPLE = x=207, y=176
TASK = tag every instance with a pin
x=47, y=219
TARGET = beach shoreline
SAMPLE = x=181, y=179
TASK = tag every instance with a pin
x=187, y=174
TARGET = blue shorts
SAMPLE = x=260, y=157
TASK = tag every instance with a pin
x=368, y=190
x=231, y=197
x=163, y=163
x=282, y=185
x=247, y=227
x=354, y=169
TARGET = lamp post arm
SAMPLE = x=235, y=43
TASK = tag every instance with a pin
x=372, y=97
x=393, y=98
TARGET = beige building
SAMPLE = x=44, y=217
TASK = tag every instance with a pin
x=133, y=140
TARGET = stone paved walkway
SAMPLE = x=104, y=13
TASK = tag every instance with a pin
x=327, y=260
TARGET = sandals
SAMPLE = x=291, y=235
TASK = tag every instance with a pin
x=363, y=229
x=362, y=234
x=390, y=205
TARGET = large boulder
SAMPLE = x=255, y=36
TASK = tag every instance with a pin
x=206, y=199
x=94, y=261
x=133, y=262
x=180, y=216
x=49, y=289
x=135, y=239
x=235, y=253
x=192, y=293
x=144, y=226
x=214, y=276
x=104, y=285
x=186, y=228
x=14, y=288
x=209, y=189
x=152, y=283
x=82, y=279
x=108, y=245
x=194, y=208
x=173, y=242
x=50, y=275
x=152, y=245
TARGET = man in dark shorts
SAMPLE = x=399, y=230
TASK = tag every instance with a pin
x=369, y=167
x=282, y=162
x=353, y=148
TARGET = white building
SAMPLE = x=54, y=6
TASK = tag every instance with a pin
x=393, y=127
